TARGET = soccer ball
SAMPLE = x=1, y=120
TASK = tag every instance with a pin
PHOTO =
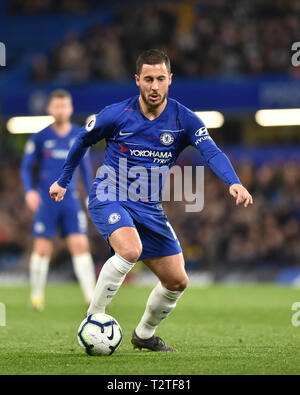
x=99, y=334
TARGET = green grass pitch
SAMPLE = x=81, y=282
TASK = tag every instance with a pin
x=217, y=330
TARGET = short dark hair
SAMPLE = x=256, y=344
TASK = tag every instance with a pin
x=152, y=56
x=59, y=93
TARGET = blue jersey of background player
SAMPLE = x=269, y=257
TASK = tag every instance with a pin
x=48, y=150
x=142, y=130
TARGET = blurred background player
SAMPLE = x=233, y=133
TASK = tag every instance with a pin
x=49, y=149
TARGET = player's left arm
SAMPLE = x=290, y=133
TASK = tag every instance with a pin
x=32, y=154
x=199, y=137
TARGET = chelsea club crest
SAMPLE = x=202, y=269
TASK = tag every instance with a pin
x=114, y=217
x=166, y=138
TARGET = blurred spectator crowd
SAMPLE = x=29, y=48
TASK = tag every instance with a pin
x=32, y=7
x=221, y=236
x=203, y=38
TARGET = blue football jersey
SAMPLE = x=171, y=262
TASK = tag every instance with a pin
x=138, y=148
x=49, y=151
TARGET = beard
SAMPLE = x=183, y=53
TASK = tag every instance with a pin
x=153, y=104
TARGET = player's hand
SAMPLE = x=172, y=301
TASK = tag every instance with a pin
x=33, y=200
x=57, y=192
x=240, y=194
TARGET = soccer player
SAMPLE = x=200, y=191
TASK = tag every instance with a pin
x=145, y=130
x=49, y=149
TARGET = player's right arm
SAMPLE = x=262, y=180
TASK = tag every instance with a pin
x=99, y=127
x=218, y=161
x=31, y=154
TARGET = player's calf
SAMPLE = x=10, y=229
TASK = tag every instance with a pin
x=160, y=304
x=109, y=281
x=83, y=264
x=38, y=272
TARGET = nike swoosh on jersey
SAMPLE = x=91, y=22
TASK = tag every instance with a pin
x=124, y=134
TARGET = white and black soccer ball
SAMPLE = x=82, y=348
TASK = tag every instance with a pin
x=99, y=334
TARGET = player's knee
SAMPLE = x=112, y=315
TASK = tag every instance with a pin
x=79, y=249
x=78, y=244
x=42, y=247
x=42, y=252
x=184, y=283
x=177, y=284
x=131, y=253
